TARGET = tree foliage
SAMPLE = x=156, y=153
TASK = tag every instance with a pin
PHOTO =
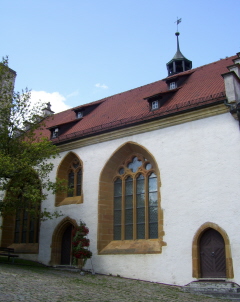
x=25, y=153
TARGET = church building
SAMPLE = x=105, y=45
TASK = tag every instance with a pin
x=154, y=173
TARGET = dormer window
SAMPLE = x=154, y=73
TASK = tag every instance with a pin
x=79, y=114
x=172, y=85
x=55, y=133
x=155, y=105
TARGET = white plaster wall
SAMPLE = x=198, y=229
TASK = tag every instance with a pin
x=199, y=164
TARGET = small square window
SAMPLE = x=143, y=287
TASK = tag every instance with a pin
x=155, y=105
x=55, y=133
x=79, y=114
x=172, y=85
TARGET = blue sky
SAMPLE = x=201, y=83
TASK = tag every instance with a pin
x=74, y=52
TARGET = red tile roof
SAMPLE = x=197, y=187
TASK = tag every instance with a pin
x=203, y=86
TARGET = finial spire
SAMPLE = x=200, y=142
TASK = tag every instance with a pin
x=178, y=21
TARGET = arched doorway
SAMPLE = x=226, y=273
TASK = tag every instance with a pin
x=66, y=247
x=61, y=242
x=212, y=255
x=202, y=241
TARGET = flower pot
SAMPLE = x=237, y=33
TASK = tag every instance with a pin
x=80, y=263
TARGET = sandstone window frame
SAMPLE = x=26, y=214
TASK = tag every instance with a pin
x=26, y=229
x=64, y=168
x=21, y=230
x=106, y=242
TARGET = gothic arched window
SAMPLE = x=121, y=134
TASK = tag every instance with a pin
x=135, y=200
x=26, y=227
x=70, y=171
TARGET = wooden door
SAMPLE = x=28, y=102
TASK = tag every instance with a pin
x=66, y=250
x=212, y=255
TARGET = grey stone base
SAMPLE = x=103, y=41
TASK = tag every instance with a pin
x=219, y=288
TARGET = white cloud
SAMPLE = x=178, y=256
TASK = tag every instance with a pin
x=74, y=93
x=103, y=86
x=55, y=98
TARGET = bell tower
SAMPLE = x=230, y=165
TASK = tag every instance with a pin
x=178, y=63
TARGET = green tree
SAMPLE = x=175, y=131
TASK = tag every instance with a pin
x=25, y=154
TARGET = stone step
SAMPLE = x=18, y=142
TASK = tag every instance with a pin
x=67, y=268
x=215, y=288
x=222, y=286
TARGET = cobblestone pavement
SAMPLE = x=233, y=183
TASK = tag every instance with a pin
x=19, y=283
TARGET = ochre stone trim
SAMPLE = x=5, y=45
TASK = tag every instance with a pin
x=141, y=246
x=105, y=202
x=25, y=248
x=146, y=127
x=8, y=238
x=71, y=200
x=62, y=174
x=8, y=228
x=196, y=253
x=57, y=239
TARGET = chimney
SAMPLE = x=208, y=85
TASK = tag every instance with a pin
x=232, y=82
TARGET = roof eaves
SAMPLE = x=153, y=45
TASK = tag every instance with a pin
x=176, y=109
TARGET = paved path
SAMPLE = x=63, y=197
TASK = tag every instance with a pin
x=19, y=283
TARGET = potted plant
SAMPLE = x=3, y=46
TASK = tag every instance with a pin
x=80, y=245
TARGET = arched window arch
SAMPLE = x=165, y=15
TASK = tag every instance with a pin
x=70, y=170
x=130, y=214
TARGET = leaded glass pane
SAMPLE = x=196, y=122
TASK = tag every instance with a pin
x=129, y=202
x=153, y=198
x=118, y=187
x=153, y=230
x=70, y=183
x=148, y=166
x=79, y=182
x=31, y=232
x=117, y=232
x=140, y=215
x=117, y=217
x=140, y=184
x=129, y=186
x=117, y=203
x=140, y=231
x=128, y=216
x=153, y=214
x=25, y=215
x=152, y=183
x=129, y=232
x=75, y=164
x=140, y=200
x=121, y=171
x=135, y=164
x=17, y=226
x=24, y=237
x=16, y=237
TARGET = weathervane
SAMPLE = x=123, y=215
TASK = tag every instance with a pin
x=178, y=21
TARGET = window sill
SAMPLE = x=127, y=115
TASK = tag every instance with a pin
x=25, y=248
x=141, y=246
x=71, y=200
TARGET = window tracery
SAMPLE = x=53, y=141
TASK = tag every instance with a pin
x=70, y=171
x=74, y=178
x=135, y=200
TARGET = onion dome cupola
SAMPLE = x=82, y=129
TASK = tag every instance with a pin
x=178, y=63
